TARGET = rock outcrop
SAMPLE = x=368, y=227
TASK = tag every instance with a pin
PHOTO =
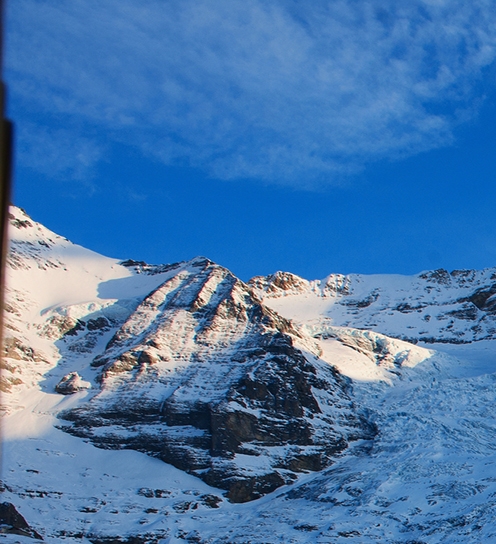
x=71, y=383
x=13, y=523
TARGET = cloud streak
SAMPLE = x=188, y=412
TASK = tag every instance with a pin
x=243, y=88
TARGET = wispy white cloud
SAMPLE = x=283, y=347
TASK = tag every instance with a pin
x=56, y=152
x=284, y=91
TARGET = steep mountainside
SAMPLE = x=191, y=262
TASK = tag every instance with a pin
x=202, y=376
x=176, y=403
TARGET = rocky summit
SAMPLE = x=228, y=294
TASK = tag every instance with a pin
x=169, y=403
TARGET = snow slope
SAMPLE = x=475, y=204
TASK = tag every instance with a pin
x=426, y=476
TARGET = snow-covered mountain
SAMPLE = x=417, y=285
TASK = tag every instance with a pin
x=176, y=403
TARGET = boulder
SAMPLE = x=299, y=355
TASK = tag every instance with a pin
x=71, y=383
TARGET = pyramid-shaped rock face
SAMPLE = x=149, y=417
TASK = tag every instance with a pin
x=204, y=377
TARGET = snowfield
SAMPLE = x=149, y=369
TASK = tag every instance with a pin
x=411, y=357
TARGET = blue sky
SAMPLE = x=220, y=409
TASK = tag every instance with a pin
x=331, y=136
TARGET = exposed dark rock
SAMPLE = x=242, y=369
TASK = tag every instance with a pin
x=151, y=538
x=11, y=522
x=440, y=276
x=71, y=383
x=212, y=501
x=467, y=312
x=19, y=223
x=306, y=527
x=348, y=534
x=406, y=308
x=463, y=276
x=363, y=303
x=141, y=267
x=97, y=324
x=78, y=326
x=153, y=493
x=481, y=298
x=437, y=340
x=133, y=263
x=249, y=488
